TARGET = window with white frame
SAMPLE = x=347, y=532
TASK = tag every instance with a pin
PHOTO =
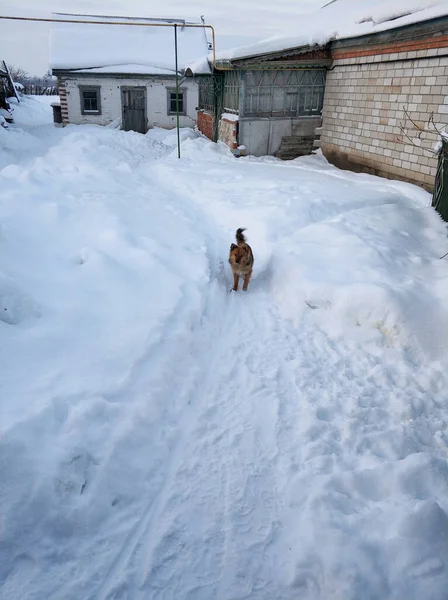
x=90, y=100
x=177, y=102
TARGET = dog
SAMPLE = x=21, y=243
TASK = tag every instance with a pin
x=241, y=260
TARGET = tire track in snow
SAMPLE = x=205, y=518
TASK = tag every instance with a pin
x=235, y=436
x=186, y=418
x=200, y=392
x=152, y=365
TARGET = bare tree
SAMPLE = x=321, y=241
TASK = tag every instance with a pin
x=19, y=74
x=422, y=135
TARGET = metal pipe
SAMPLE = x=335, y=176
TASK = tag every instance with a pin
x=177, y=91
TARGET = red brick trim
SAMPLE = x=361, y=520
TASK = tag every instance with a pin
x=64, y=107
x=205, y=123
x=436, y=42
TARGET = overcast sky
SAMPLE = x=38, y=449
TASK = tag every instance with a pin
x=237, y=22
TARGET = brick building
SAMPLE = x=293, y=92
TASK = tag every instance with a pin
x=367, y=102
x=380, y=91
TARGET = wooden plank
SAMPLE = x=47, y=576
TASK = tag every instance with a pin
x=9, y=78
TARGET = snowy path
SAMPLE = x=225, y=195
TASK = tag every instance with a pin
x=174, y=441
x=267, y=433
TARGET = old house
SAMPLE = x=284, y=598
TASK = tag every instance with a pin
x=271, y=104
x=367, y=82
x=125, y=73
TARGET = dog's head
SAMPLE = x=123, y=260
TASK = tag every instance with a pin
x=237, y=253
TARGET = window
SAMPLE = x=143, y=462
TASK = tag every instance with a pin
x=206, y=99
x=231, y=91
x=90, y=100
x=287, y=93
x=172, y=102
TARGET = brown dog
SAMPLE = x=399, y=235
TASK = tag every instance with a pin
x=241, y=260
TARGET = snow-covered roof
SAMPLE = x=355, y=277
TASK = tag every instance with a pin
x=341, y=19
x=133, y=69
x=96, y=46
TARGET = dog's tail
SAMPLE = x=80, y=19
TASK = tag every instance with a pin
x=240, y=238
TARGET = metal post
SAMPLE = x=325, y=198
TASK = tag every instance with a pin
x=177, y=92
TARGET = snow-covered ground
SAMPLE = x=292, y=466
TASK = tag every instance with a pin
x=162, y=438
x=32, y=134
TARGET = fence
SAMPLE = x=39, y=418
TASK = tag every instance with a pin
x=40, y=90
x=440, y=196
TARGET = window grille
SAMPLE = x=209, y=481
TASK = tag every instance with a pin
x=288, y=93
x=172, y=102
x=206, y=94
x=231, y=91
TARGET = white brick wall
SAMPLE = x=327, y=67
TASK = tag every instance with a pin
x=365, y=103
x=156, y=95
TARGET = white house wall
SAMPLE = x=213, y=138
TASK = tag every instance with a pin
x=156, y=98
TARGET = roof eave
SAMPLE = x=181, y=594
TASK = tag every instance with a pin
x=82, y=72
x=429, y=26
x=237, y=61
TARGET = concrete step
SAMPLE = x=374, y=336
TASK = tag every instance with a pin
x=289, y=155
x=293, y=146
x=296, y=142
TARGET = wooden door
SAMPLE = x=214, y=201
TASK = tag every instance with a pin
x=133, y=102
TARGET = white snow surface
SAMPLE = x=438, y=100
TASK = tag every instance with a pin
x=339, y=20
x=85, y=46
x=164, y=438
x=34, y=134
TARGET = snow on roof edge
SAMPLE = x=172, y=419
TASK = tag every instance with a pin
x=126, y=69
x=335, y=28
x=201, y=66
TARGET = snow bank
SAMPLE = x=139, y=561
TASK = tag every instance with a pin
x=370, y=274
x=86, y=46
x=16, y=305
x=344, y=19
x=31, y=133
x=100, y=267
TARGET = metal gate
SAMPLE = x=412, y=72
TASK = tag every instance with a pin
x=133, y=102
x=440, y=196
